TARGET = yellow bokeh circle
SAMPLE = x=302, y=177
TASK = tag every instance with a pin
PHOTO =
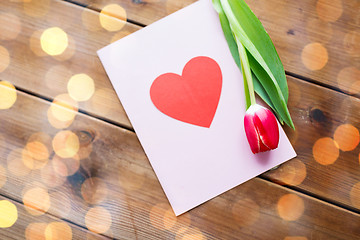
x=54, y=41
x=290, y=207
x=98, y=220
x=58, y=230
x=81, y=87
x=8, y=214
x=7, y=95
x=112, y=17
x=66, y=144
x=314, y=56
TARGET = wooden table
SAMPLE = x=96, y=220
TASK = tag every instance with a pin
x=71, y=166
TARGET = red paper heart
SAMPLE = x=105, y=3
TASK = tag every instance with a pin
x=192, y=97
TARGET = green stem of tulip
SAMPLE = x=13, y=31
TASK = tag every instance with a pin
x=245, y=68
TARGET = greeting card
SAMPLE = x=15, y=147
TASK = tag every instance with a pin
x=184, y=96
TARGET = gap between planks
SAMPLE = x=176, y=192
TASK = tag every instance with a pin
x=103, y=119
x=295, y=75
x=99, y=10
x=314, y=196
x=114, y=124
x=54, y=216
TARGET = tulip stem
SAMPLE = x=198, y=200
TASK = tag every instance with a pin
x=245, y=68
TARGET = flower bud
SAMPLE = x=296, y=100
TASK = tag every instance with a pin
x=261, y=129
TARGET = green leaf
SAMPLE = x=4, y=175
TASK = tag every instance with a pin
x=225, y=25
x=264, y=83
x=232, y=46
x=249, y=30
x=259, y=89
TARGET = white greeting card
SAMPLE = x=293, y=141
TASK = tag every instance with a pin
x=183, y=94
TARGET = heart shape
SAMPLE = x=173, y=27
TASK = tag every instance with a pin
x=192, y=97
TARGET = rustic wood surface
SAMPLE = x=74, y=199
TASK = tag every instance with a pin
x=105, y=183
x=39, y=227
x=110, y=187
x=316, y=39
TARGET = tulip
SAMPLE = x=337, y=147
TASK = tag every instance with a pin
x=261, y=129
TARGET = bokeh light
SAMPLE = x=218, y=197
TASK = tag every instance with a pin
x=314, y=56
x=325, y=151
x=81, y=87
x=290, y=207
x=245, y=212
x=65, y=166
x=15, y=163
x=55, y=122
x=162, y=217
x=8, y=214
x=35, y=231
x=10, y=26
x=31, y=162
x=38, y=152
x=35, y=44
x=291, y=173
x=347, y=137
x=112, y=17
x=66, y=144
x=57, y=231
x=36, y=201
x=8, y=95
x=43, y=138
x=329, y=10
x=349, y=80
x=355, y=195
x=2, y=176
x=54, y=41
x=94, y=190
x=98, y=220
x=352, y=43
x=64, y=109
x=36, y=8
x=69, y=51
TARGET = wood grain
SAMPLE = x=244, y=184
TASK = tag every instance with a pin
x=42, y=227
x=48, y=76
x=318, y=113
x=316, y=39
x=113, y=189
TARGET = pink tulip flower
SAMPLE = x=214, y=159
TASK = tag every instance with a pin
x=261, y=129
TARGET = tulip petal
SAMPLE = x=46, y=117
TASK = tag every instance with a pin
x=251, y=133
x=267, y=128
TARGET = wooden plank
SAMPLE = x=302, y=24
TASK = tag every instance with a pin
x=30, y=68
x=113, y=190
x=19, y=224
x=49, y=76
x=317, y=39
x=327, y=143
